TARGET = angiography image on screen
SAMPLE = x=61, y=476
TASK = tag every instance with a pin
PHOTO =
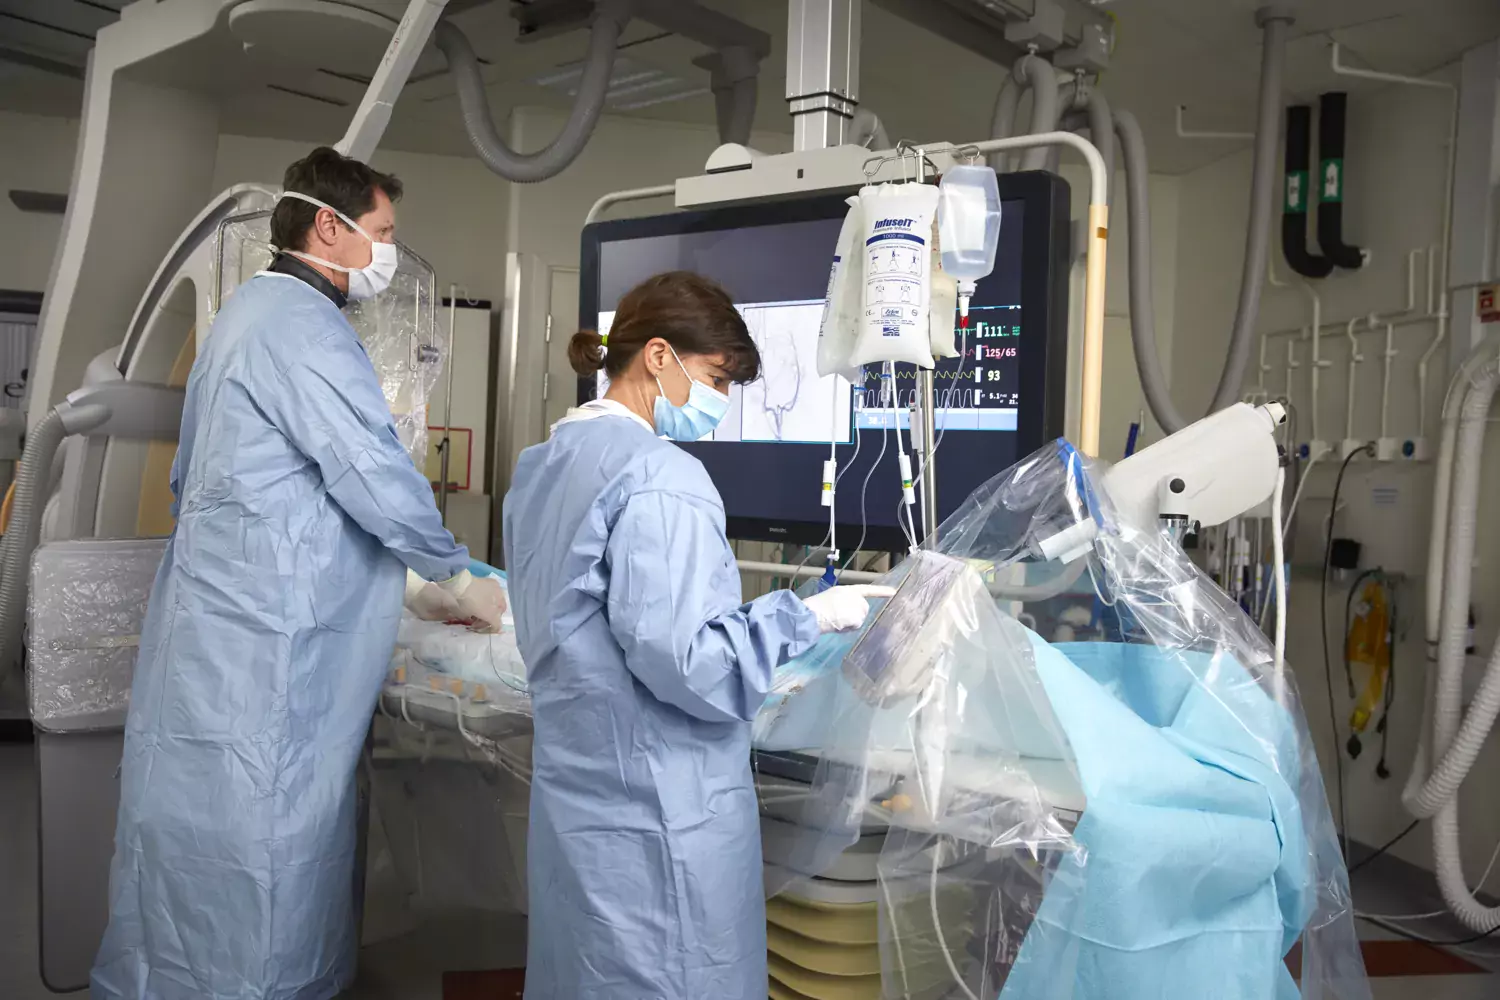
x=790, y=402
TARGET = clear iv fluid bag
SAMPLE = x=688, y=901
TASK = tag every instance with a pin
x=968, y=221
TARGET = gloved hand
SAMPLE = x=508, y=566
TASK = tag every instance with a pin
x=478, y=600
x=481, y=600
x=843, y=609
x=430, y=602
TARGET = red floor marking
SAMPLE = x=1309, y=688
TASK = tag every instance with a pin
x=1403, y=958
x=494, y=984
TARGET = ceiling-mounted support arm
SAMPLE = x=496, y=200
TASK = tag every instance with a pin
x=733, y=74
x=822, y=70
x=374, y=112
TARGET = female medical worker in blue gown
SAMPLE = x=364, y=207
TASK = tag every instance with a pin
x=645, y=667
x=271, y=624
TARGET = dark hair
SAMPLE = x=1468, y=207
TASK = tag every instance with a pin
x=335, y=180
x=688, y=311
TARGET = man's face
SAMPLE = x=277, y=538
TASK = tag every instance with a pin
x=348, y=247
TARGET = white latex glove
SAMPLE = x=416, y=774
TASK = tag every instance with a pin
x=428, y=601
x=481, y=600
x=432, y=604
x=478, y=600
x=843, y=609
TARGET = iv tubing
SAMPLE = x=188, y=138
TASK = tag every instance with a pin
x=937, y=921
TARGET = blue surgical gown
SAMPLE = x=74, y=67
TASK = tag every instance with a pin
x=645, y=669
x=270, y=628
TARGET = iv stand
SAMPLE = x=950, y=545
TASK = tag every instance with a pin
x=927, y=485
x=447, y=444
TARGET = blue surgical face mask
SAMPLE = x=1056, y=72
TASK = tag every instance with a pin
x=696, y=418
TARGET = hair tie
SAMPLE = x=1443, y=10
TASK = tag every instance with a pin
x=603, y=339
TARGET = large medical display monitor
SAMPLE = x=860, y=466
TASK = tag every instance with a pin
x=995, y=405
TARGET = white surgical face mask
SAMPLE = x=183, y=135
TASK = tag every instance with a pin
x=364, y=282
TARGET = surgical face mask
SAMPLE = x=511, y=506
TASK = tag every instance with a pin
x=364, y=282
x=696, y=418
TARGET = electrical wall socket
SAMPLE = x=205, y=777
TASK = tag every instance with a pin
x=1314, y=449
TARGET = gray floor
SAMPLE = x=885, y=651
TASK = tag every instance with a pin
x=404, y=961
x=410, y=950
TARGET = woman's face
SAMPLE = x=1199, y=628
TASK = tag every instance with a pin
x=675, y=383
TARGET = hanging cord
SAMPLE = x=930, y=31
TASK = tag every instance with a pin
x=1435, y=942
x=864, y=493
x=903, y=463
x=963, y=358
x=858, y=442
x=1333, y=719
x=1280, y=583
x=1385, y=847
x=937, y=920
x=1382, y=769
x=1432, y=914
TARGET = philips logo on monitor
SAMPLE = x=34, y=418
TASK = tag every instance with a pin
x=889, y=223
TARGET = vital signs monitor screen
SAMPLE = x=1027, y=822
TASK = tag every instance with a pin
x=766, y=457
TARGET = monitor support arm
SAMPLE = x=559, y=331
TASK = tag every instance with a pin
x=374, y=112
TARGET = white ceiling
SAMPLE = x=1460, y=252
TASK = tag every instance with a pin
x=1202, y=53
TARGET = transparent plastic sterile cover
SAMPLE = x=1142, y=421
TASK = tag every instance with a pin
x=406, y=343
x=1138, y=816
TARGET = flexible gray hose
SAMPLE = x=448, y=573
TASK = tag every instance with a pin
x=866, y=129
x=1003, y=121
x=1274, y=23
x=528, y=168
x=1142, y=305
x=1096, y=119
x=24, y=530
x=736, y=112
x=1042, y=80
x=734, y=73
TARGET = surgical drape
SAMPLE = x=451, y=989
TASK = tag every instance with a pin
x=271, y=623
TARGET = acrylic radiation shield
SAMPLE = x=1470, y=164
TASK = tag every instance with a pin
x=407, y=344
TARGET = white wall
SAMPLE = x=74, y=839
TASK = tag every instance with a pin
x=1394, y=170
x=36, y=154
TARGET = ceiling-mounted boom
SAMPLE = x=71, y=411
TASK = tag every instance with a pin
x=374, y=111
x=1076, y=32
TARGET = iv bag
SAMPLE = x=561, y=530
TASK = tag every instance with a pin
x=969, y=221
x=843, y=304
x=897, y=256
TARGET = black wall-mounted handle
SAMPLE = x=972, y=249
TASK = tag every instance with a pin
x=1332, y=111
x=1296, y=195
